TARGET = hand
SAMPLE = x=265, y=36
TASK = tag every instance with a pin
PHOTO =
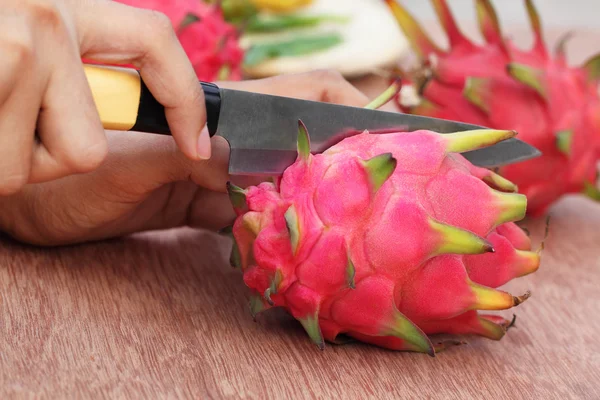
x=43, y=88
x=146, y=184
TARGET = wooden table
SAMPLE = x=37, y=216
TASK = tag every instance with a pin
x=162, y=315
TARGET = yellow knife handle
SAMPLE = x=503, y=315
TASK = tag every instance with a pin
x=125, y=103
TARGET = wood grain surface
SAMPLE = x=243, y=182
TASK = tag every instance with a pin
x=162, y=315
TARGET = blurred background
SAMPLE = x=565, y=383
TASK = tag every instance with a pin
x=246, y=39
x=558, y=13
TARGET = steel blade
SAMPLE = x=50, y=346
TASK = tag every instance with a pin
x=262, y=131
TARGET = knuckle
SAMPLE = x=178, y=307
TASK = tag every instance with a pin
x=16, y=51
x=159, y=27
x=96, y=155
x=45, y=13
x=86, y=158
x=194, y=97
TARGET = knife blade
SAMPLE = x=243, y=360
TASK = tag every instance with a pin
x=262, y=129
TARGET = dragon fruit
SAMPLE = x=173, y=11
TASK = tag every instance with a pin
x=210, y=42
x=385, y=238
x=553, y=106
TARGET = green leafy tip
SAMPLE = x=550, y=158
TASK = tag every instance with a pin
x=267, y=297
x=453, y=240
x=235, y=259
x=379, y=169
x=478, y=92
x=189, y=20
x=422, y=45
x=416, y=340
x=592, y=68
x=237, y=196
x=531, y=77
x=536, y=24
x=386, y=96
x=560, y=49
x=490, y=329
x=350, y=274
x=312, y=328
x=273, y=287
x=534, y=17
x=257, y=305
x=293, y=226
x=460, y=142
x=563, y=142
x=448, y=22
x=499, y=182
x=513, y=206
x=224, y=73
x=591, y=190
x=488, y=22
x=303, y=142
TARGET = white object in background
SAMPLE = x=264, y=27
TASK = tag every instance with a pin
x=372, y=40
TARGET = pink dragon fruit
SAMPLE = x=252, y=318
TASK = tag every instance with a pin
x=554, y=106
x=210, y=42
x=385, y=238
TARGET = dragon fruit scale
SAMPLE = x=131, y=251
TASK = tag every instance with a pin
x=554, y=106
x=386, y=239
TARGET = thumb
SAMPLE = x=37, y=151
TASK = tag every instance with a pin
x=139, y=169
x=141, y=163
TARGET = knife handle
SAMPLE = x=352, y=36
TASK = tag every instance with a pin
x=125, y=103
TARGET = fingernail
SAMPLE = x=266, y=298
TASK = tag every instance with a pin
x=204, y=150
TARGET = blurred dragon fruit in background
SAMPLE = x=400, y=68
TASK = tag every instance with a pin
x=210, y=42
x=554, y=106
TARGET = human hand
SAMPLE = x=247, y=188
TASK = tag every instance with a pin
x=44, y=91
x=146, y=184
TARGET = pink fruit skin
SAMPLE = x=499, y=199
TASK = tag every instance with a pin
x=175, y=10
x=570, y=103
x=211, y=43
x=404, y=282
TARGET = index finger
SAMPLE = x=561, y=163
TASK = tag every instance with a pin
x=115, y=33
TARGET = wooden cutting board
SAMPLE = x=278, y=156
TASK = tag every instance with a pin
x=164, y=316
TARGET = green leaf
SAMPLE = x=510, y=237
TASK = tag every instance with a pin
x=259, y=53
x=268, y=23
x=236, y=12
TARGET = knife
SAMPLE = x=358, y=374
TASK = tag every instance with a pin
x=262, y=129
